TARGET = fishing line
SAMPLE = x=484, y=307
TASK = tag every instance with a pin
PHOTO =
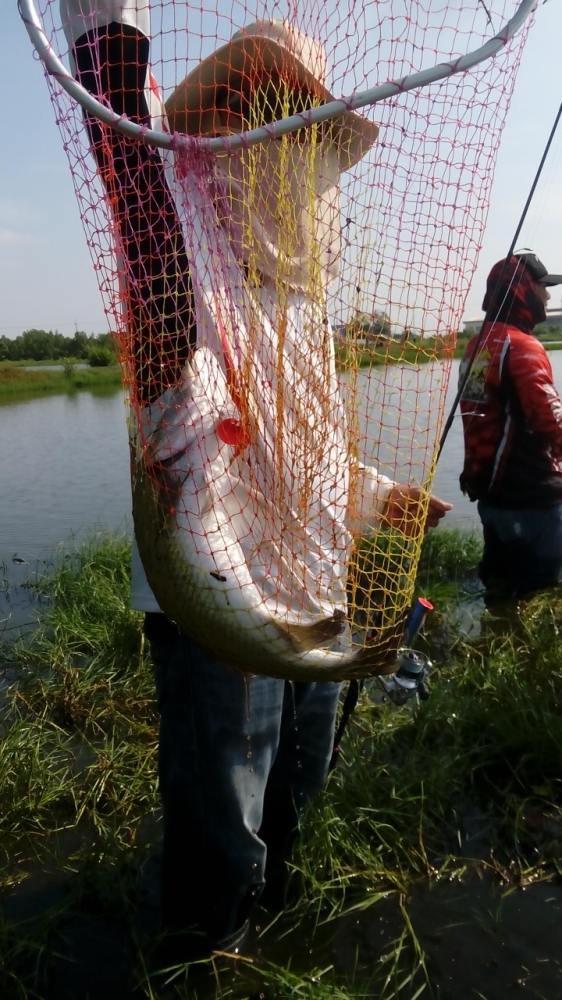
x=471, y=360
x=546, y=209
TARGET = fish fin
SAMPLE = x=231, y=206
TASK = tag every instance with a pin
x=379, y=655
x=317, y=633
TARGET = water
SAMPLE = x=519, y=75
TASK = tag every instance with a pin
x=65, y=475
x=398, y=407
x=65, y=466
x=54, y=367
x=65, y=471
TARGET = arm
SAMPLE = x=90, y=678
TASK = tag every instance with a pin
x=111, y=60
x=380, y=500
x=405, y=504
x=530, y=375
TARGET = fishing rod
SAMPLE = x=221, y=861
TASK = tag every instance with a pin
x=471, y=360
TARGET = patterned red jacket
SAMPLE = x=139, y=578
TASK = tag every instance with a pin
x=512, y=416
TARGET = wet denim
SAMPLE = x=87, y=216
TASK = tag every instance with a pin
x=522, y=548
x=239, y=757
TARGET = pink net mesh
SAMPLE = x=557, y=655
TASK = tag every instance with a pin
x=286, y=314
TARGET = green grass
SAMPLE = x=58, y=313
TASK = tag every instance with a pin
x=79, y=805
x=44, y=362
x=16, y=383
x=418, y=352
x=413, y=353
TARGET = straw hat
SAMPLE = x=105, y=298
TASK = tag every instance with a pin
x=263, y=47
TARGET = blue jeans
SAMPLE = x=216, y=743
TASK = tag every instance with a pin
x=239, y=757
x=522, y=549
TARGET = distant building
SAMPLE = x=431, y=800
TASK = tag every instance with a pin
x=472, y=325
x=553, y=318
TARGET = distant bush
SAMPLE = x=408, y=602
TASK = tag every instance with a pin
x=545, y=332
x=100, y=357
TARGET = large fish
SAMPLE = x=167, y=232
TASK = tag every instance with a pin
x=235, y=570
x=241, y=473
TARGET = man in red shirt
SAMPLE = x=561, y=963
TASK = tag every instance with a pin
x=512, y=422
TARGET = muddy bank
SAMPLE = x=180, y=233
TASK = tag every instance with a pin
x=474, y=940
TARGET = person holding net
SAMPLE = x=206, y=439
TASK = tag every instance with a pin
x=239, y=755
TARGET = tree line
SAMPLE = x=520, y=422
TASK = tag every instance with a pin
x=46, y=345
x=100, y=349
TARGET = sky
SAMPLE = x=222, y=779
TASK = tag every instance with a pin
x=46, y=276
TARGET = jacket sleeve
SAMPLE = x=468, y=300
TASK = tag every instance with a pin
x=530, y=374
x=109, y=48
x=368, y=495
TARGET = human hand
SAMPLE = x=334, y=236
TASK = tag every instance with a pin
x=405, y=506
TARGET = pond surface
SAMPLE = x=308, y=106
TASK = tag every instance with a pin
x=65, y=465
x=54, y=367
x=65, y=474
x=65, y=471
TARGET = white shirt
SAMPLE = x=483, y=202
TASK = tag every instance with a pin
x=80, y=16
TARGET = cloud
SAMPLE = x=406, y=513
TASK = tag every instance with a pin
x=14, y=237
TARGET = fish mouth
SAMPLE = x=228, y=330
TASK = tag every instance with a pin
x=316, y=634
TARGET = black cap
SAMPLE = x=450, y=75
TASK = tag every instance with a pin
x=537, y=270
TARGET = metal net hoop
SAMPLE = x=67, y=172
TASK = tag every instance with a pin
x=285, y=279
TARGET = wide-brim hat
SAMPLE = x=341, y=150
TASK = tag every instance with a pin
x=262, y=47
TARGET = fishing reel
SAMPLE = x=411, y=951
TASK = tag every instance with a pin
x=409, y=680
x=406, y=684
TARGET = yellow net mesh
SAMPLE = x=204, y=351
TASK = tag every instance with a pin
x=286, y=312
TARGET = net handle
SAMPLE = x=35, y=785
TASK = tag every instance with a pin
x=333, y=109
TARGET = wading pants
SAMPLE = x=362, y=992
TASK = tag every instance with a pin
x=239, y=757
x=522, y=549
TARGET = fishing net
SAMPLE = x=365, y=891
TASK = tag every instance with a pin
x=285, y=311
